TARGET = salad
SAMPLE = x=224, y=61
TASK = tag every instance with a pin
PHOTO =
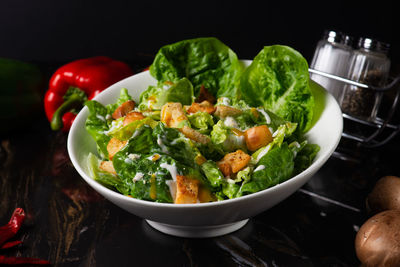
x=210, y=130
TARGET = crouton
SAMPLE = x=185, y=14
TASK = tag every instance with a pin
x=172, y=115
x=123, y=109
x=205, y=195
x=133, y=116
x=187, y=190
x=194, y=135
x=113, y=146
x=107, y=166
x=205, y=95
x=204, y=106
x=233, y=162
x=226, y=111
x=257, y=137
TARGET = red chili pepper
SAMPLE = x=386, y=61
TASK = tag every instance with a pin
x=11, y=228
x=76, y=82
x=8, y=231
x=22, y=260
x=11, y=244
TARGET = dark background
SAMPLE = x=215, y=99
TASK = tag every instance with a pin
x=49, y=30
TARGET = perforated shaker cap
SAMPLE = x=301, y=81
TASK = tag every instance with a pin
x=337, y=37
x=373, y=45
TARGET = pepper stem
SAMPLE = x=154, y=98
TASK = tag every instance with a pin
x=74, y=101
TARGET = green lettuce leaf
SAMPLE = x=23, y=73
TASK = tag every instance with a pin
x=105, y=178
x=213, y=174
x=201, y=121
x=123, y=97
x=97, y=124
x=278, y=80
x=278, y=166
x=225, y=139
x=156, y=96
x=125, y=132
x=204, y=61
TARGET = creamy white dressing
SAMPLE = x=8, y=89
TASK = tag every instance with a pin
x=128, y=161
x=164, y=149
x=236, y=140
x=259, y=168
x=175, y=141
x=100, y=117
x=133, y=156
x=108, y=117
x=266, y=116
x=230, y=181
x=270, y=129
x=262, y=153
x=171, y=169
x=114, y=125
x=298, y=146
x=138, y=177
x=136, y=133
x=149, y=104
x=231, y=122
x=172, y=188
x=225, y=101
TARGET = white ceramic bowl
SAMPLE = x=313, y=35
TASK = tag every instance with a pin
x=203, y=219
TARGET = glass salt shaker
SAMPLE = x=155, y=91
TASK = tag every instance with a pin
x=332, y=56
x=369, y=65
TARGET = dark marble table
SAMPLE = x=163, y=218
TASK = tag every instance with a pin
x=71, y=225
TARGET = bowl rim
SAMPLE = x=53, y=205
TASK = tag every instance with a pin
x=316, y=164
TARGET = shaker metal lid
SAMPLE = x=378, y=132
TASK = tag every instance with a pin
x=373, y=45
x=337, y=37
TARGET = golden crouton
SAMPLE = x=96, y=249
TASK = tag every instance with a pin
x=107, y=166
x=205, y=195
x=257, y=137
x=187, y=190
x=172, y=115
x=133, y=116
x=123, y=109
x=113, y=146
x=204, y=106
x=233, y=162
x=194, y=135
x=226, y=111
x=205, y=95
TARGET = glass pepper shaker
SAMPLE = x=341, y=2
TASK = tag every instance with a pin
x=332, y=56
x=369, y=65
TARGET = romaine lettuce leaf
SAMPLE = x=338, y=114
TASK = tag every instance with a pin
x=212, y=173
x=123, y=97
x=225, y=139
x=204, y=61
x=105, y=178
x=156, y=96
x=278, y=166
x=278, y=80
x=201, y=121
x=97, y=124
x=125, y=132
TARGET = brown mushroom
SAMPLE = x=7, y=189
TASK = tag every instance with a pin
x=377, y=242
x=385, y=195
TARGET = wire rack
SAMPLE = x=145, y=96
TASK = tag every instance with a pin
x=380, y=130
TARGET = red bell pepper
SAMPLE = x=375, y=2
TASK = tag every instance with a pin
x=74, y=83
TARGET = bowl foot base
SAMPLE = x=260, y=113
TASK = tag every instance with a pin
x=197, y=231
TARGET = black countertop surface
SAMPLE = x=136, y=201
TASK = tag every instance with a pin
x=71, y=225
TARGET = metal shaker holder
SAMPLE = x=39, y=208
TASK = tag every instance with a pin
x=382, y=129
